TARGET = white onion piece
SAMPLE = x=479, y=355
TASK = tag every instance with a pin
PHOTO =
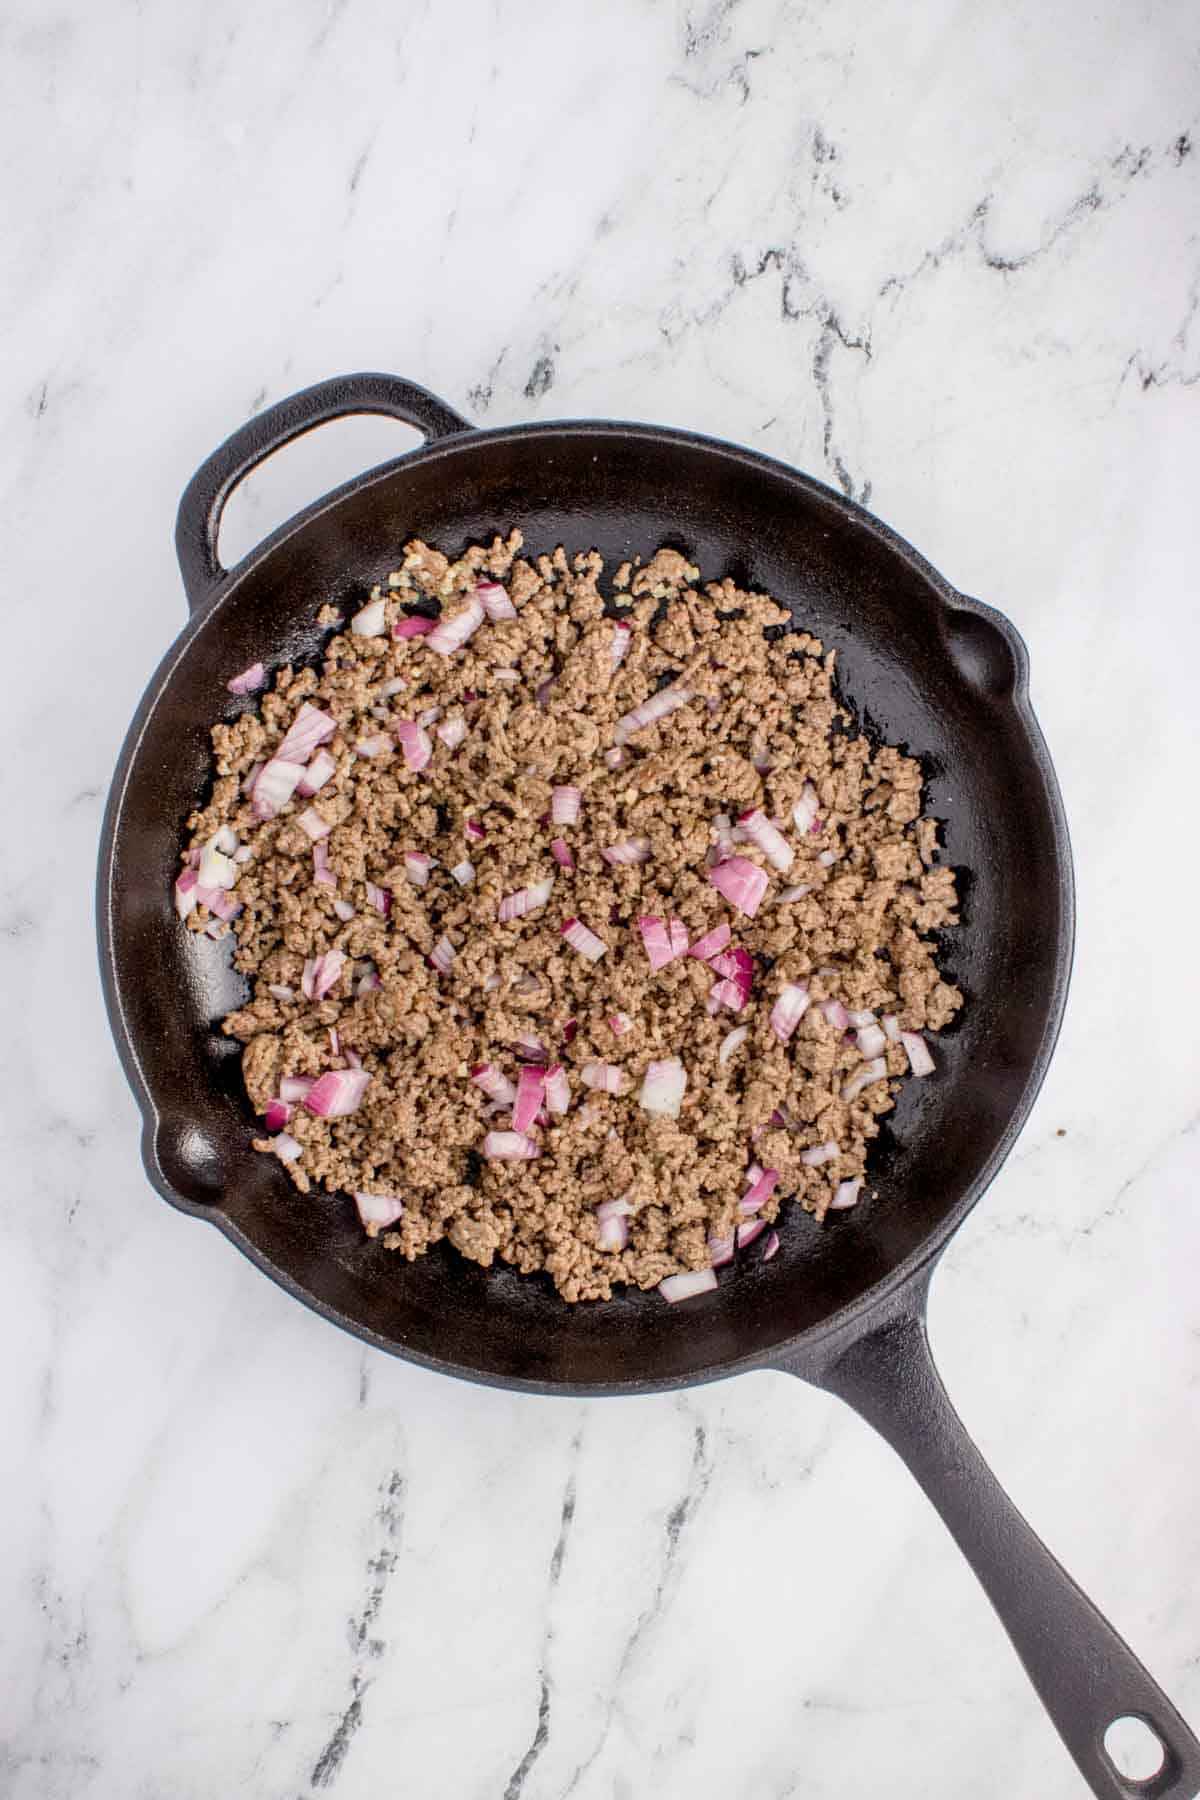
x=249, y=681
x=494, y=1083
x=759, y=1191
x=321, y=973
x=683, y=1287
x=279, y=990
x=442, y=955
x=430, y=716
x=804, y=813
x=370, y=622
x=612, y=1231
x=791, y=894
x=380, y=744
x=378, y=1211
x=276, y=783
x=836, y=1014
x=379, y=898
x=314, y=777
x=620, y=1208
x=337, y=1093
x=663, y=1087
x=917, y=1052
x=370, y=982
x=658, y=706
x=313, y=825
x=243, y=854
x=872, y=1040
x=307, y=732
x=732, y=1041
x=321, y=869
x=846, y=1194
x=224, y=839
x=531, y=1086
x=216, y=869
x=863, y=1016
x=774, y=846
x=616, y=758
x=417, y=866
x=789, y=1009
x=816, y=1154
x=605, y=1078
x=557, y=1089
x=452, y=732
x=891, y=1027
x=495, y=600
x=509, y=1146
x=396, y=685
x=621, y=639
x=562, y=853
x=619, y=1023
x=343, y=909
x=711, y=943
x=463, y=872
x=450, y=634
x=564, y=805
x=506, y=677
x=629, y=850
x=525, y=900
x=582, y=939
x=742, y=882
x=285, y=1147
x=827, y=858
x=414, y=741
x=865, y=1077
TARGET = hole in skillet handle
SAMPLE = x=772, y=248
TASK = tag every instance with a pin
x=1135, y=1750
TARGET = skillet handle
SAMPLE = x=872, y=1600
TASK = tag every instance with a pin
x=199, y=518
x=1084, y=1674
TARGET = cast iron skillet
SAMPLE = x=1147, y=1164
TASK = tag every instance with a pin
x=842, y=1305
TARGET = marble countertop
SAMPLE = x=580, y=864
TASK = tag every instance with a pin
x=946, y=258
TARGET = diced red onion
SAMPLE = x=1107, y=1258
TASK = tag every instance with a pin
x=557, y=1089
x=352, y=1057
x=816, y=1154
x=414, y=741
x=630, y=850
x=295, y=1088
x=442, y=955
x=605, y=1078
x=663, y=1087
x=731, y=1042
x=452, y=732
x=865, y=1077
x=774, y=846
x=789, y=1009
x=657, y=940
x=369, y=621
x=275, y=786
x=864, y=1016
x=316, y=774
x=185, y=891
x=496, y=603
x=321, y=974
x=531, y=1085
x=285, y=1147
x=378, y=1210
x=249, y=681
x=619, y=1023
x=742, y=882
x=620, y=1208
x=612, y=1231
x=562, y=853
x=525, y=900
x=621, y=639
x=530, y=1047
x=712, y=942
x=379, y=744
x=279, y=990
x=276, y=1115
x=337, y=1093
x=379, y=898
x=464, y=873
x=251, y=776
x=243, y=854
x=369, y=983
x=836, y=1014
x=746, y=1234
x=759, y=1192
x=224, y=839
x=430, y=716
x=891, y=1027
x=846, y=1194
x=725, y=993
x=321, y=869
x=616, y=758
x=919, y=1060
x=720, y=1250
x=736, y=965
x=658, y=706
x=582, y=939
x=417, y=866
x=308, y=731
x=219, y=903
x=804, y=812
x=683, y=1287
x=564, y=805
x=827, y=858
x=452, y=633
x=335, y=1044
x=494, y=1083
x=396, y=685
x=417, y=625
x=313, y=825
x=771, y=1246
x=790, y=894
x=678, y=933
x=509, y=1146
x=753, y=1170
x=872, y=1040
x=474, y=829
x=570, y=1027
x=506, y=677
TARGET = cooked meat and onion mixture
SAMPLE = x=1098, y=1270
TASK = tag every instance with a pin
x=580, y=927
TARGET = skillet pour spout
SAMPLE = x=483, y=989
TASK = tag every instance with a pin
x=842, y=1305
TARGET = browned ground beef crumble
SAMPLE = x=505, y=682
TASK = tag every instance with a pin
x=859, y=936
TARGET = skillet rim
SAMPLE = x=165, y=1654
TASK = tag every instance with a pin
x=788, y=1353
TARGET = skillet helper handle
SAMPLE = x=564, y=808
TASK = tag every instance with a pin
x=1085, y=1676
x=199, y=518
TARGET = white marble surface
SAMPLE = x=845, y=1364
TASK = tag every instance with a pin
x=945, y=255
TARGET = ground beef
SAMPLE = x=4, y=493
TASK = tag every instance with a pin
x=539, y=699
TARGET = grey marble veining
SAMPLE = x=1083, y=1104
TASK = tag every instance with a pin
x=946, y=257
